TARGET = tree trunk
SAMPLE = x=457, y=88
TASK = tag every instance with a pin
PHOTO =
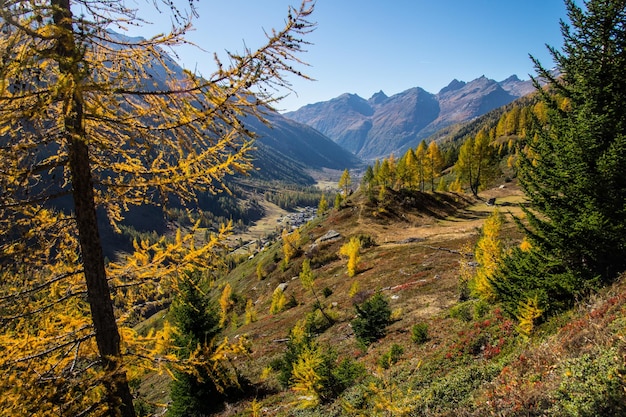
x=119, y=398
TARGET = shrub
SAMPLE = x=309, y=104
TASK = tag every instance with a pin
x=367, y=241
x=391, y=357
x=481, y=308
x=593, y=385
x=419, y=333
x=373, y=317
x=462, y=311
x=319, y=321
x=327, y=292
x=323, y=259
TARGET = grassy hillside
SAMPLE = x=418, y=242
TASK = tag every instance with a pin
x=440, y=356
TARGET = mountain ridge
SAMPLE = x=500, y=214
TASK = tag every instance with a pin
x=381, y=125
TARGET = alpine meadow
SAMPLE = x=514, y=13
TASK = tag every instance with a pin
x=173, y=246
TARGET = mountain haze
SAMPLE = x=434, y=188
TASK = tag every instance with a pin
x=286, y=150
x=381, y=125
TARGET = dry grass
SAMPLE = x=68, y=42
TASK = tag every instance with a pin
x=415, y=263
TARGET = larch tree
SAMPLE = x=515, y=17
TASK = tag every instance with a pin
x=420, y=157
x=322, y=206
x=434, y=163
x=476, y=165
x=574, y=173
x=352, y=251
x=345, y=182
x=407, y=169
x=92, y=121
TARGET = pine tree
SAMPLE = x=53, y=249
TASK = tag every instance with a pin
x=84, y=127
x=575, y=172
x=197, y=321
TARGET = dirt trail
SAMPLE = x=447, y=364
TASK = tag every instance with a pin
x=458, y=226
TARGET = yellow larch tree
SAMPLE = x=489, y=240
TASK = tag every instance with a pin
x=345, y=182
x=489, y=253
x=87, y=127
x=226, y=303
x=352, y=250
x=291, y=244
x=434, y=163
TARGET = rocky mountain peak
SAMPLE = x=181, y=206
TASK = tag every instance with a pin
x=383, y=124
x=378, y=98
x=454, y=85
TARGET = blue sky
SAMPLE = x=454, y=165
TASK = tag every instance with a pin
x=363, y=46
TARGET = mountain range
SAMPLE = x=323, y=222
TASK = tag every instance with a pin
x=382, y=125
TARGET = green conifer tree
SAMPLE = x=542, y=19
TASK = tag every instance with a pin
x=575, y=171
x=197, y=321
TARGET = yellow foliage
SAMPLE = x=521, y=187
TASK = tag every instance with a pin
x=255, y=408
x=525, y=246
x=298, y=333
x=266, y=373
x=387, y=399
x=511, y=161
x=527, y=312
x=344, y=182
x=291, y=244
x=251, y=313
x=306, y=275
x=278, y=301
x=456, y=186
x=305, y=377
x=488, y=254
x=260, y=272
x=354, y=289
x=397, y=314
x=226, y=303
x=75, y=111
x=352, y=251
